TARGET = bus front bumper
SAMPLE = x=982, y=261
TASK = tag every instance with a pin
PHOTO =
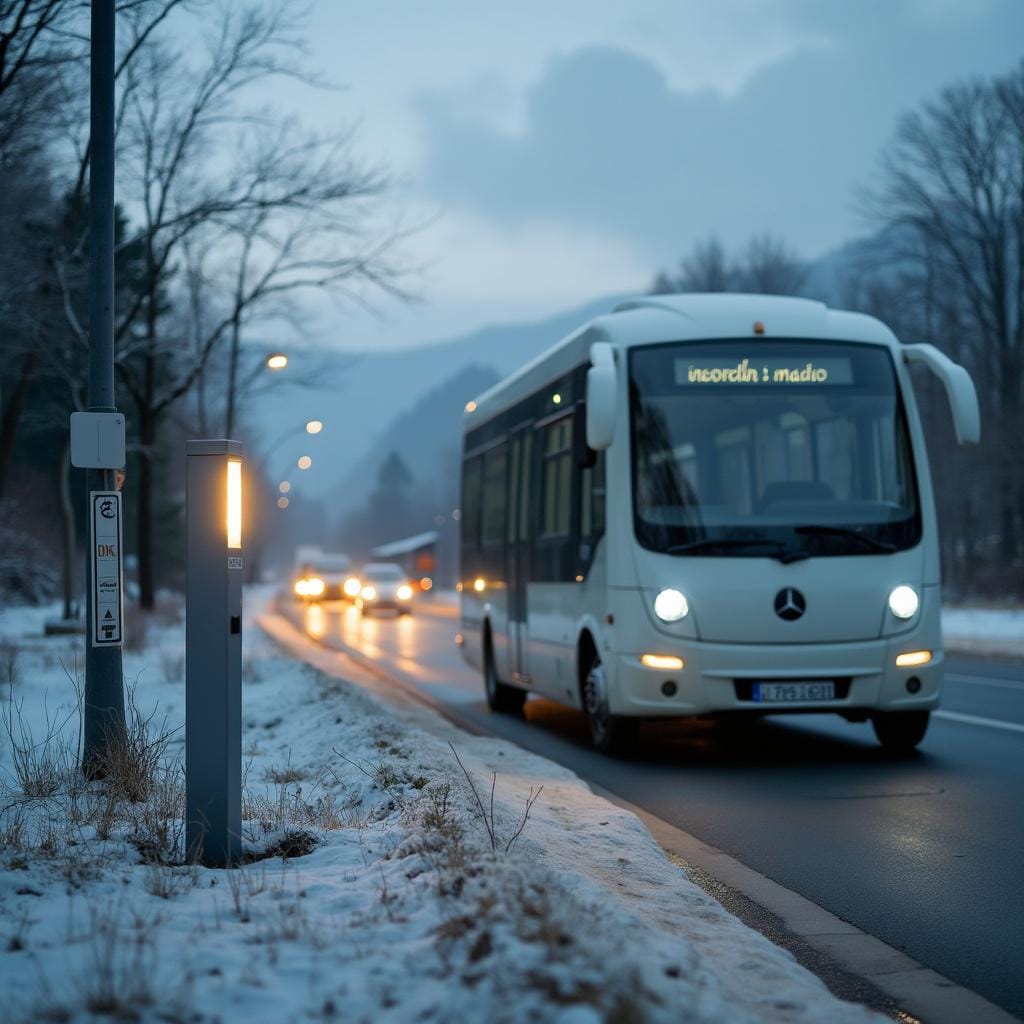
x=722, y=678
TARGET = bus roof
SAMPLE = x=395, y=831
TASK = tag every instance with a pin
x=649, y=319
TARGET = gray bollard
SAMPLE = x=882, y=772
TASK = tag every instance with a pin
x=213, y=652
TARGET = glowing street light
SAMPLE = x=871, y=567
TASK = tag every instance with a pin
x=304, y=462
x=277, y=361
x=282, y=502
x=314, y=427
x=284, y=487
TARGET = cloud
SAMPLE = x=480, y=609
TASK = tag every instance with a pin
x=609, y=146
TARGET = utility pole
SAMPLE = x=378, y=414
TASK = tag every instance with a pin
x=104, y=683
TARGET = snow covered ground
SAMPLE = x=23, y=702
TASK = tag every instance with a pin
x=997, y=631
x=386, y=883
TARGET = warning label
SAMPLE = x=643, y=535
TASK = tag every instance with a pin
x=105, y=536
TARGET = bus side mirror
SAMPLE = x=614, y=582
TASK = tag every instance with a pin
x=601, y=396
x=963, y=399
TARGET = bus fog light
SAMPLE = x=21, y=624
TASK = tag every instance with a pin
x=669, y=688
x=904, y=602
x=664, y=662
x=911, y=658
x=671, y=606
x=913, y=685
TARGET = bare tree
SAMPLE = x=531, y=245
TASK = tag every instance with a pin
x=281, y=210
x=950, y=190
x=769, y=267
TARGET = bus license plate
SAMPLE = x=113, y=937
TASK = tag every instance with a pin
x=784, y=693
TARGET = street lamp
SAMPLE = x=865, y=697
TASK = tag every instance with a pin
x=304, y=462
x=314, y=427
x=277, y=361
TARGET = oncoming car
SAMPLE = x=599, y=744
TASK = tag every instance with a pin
x=324, y=577
x=384, y=586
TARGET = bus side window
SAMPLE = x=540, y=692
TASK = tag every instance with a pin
x=557, y=479
x=493, y=510
x=470, y=523
x=552, y=552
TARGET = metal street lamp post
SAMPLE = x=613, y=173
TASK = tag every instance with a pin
x=103, y=715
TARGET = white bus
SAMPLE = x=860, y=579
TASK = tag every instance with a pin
x=708, y=504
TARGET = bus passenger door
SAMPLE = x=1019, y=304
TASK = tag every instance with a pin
x=518, y=548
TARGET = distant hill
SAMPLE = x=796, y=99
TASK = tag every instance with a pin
x=371, y=390
x=427, y=437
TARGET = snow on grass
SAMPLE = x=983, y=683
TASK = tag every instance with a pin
x=383, y=882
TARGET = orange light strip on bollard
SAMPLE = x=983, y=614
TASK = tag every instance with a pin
x=234, y=503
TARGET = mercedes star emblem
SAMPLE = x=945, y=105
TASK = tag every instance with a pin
x=789, y=604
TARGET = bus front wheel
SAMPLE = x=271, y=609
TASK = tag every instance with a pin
x=500, y=697
x=610, y=734
x=900, y=731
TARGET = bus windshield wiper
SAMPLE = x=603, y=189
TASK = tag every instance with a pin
x=817, y=530
x=781, y=550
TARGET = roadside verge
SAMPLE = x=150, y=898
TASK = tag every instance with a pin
x=603, y=862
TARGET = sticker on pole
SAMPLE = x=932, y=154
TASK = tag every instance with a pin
x=105, y=536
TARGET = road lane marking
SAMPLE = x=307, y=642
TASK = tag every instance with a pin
x=992, y=723
x=1003, y=684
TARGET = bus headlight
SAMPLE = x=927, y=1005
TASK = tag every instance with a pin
x=904, y=602
x=671, y=606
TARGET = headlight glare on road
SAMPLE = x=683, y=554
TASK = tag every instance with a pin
x=904, y=602
x=368, y=593
x=670, y=605
x=405, y=592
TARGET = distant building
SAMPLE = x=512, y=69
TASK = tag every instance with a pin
x=417, y=555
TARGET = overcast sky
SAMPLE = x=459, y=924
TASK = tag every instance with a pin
x=563, y=150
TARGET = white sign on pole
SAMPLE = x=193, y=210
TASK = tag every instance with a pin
x=97, y=440
x=105, y=536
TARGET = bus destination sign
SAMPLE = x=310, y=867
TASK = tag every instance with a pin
x=771, y=370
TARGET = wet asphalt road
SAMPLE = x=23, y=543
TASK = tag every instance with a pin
x=926, y=852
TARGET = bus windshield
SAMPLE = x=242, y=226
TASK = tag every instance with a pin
x=784, y=449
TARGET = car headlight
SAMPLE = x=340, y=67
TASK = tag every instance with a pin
x=670, y=605
x=315, y=586
x=904, y=602
x=368, y=593
x=352, y=587
x=404, y=592
x=301, y=588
